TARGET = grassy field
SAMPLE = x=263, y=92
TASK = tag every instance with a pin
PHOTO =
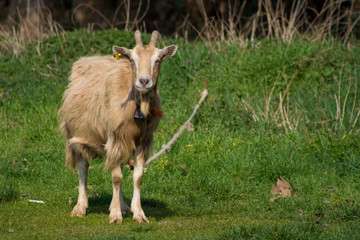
x=272, y=110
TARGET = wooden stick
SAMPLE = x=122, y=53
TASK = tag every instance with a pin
x=187, y=125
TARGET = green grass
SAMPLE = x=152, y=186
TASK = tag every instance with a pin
x=215, y=182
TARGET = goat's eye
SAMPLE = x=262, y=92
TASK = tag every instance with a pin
x=157, y=61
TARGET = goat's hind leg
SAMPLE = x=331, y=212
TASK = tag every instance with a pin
x=82, y=203
x=123, y=206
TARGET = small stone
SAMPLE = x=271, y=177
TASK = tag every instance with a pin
x=10, y=230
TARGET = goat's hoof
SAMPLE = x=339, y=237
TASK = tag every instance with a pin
x=115, y=216
x=78, y=211
x=115, y=220
x=140, y=218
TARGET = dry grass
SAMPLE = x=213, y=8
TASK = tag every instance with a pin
x=281, y=21
x=35, y=25
x=38, y=23
x=281, y=117
x=276, y=22
x=288, y=118
x=122, y=18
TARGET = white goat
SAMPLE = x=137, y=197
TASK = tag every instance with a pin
x=112, y=108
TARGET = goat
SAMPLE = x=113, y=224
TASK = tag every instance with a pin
x=112, y=107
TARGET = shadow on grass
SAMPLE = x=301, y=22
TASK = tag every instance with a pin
x=153, y=208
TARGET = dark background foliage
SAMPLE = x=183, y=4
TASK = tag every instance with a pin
x=173, y=17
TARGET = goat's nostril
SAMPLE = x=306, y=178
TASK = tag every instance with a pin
x=144, y=81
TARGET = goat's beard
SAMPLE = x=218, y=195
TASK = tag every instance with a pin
x=145, y=102
x=143, y=99
x=144, y=107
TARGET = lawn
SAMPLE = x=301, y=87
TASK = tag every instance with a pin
x=273, y=109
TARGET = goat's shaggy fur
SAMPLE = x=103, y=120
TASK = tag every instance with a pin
x=98, y=117
x=98, y=112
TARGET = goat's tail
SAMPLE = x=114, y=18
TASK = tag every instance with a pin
x=70, y=159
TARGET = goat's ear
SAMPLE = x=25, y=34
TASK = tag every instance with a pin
x=123, y=51
x=168, y=51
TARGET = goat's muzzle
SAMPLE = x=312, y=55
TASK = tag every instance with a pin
x=143, y=85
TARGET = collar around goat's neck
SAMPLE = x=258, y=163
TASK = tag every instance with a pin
x=146, y=98
x=154, y=111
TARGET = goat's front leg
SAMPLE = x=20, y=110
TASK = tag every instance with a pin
x=82, y=203
x=115, y=206
x=138, y=213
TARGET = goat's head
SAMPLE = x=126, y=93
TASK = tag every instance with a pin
x=146, y=60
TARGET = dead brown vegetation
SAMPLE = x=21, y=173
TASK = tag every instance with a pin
x=282, y=20
x=36, y=24
x=333, y=19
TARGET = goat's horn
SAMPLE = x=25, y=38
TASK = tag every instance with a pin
x=138, y=38
x=154, y=38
